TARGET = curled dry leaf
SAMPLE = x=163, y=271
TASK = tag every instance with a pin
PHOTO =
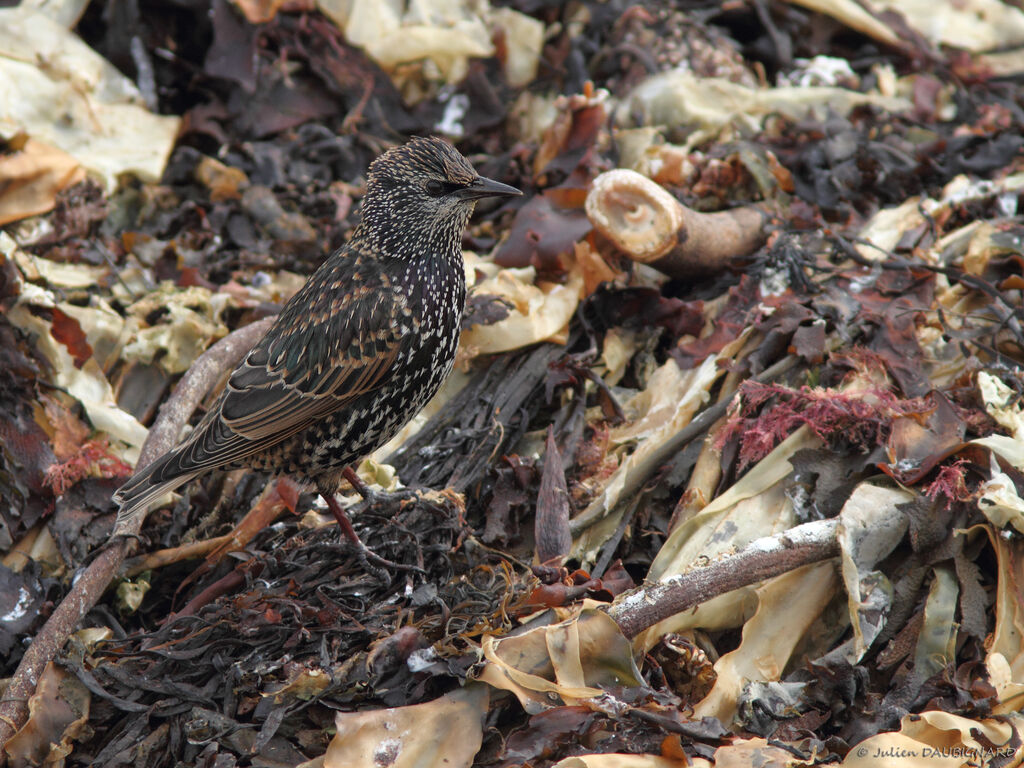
x=447, y=731
x=538, y=311
x=33, y=174
x=764, y=652
x=1005, y=654
x=978, y=26
x=661, y=410
x=448, y=34
x=870, y=527
x=58, y=711
x=755, y=506
x=938, y=737
x=570, y=660
x=707, y=105
x=65, y=94
x=936, y=641
x=524, y=40
x=855, y=16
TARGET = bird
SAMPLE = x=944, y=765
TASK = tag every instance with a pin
x=356, y=352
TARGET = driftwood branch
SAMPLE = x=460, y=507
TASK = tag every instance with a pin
x=761, y=559
x=649, y=225
x=89, y=587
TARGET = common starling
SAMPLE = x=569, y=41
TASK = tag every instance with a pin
x=357, y=352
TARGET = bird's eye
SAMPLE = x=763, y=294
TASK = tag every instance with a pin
x=436, y=188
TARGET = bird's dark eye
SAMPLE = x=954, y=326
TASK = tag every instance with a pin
x=436, y=188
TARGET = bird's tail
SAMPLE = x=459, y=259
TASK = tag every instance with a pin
x=146, y=486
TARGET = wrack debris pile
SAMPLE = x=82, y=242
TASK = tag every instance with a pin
x=730, y=469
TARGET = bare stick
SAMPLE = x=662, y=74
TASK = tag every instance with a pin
x=165, y=557
x=89, y=587
x=761, y=559
x=270, y=504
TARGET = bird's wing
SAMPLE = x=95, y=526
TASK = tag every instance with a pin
x=331, y=350
x=328, y=347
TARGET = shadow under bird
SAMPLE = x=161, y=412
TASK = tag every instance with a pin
x=357, y=352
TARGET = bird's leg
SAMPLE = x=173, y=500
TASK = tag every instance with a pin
x=343, y=522
x=366, y=554
x=360, y=487
x=371, y=496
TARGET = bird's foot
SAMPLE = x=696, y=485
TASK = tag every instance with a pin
x=380, y=566
x=370, y=560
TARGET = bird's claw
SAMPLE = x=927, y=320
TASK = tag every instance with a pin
x=372, y=561
x=368, y=558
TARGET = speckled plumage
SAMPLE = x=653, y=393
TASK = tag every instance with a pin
x=358, y=350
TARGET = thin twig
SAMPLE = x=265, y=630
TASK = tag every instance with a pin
x=164, y=557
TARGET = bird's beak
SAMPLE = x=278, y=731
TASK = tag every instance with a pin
x=484, y=187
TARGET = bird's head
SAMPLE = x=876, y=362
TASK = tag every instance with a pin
x=422, y=194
